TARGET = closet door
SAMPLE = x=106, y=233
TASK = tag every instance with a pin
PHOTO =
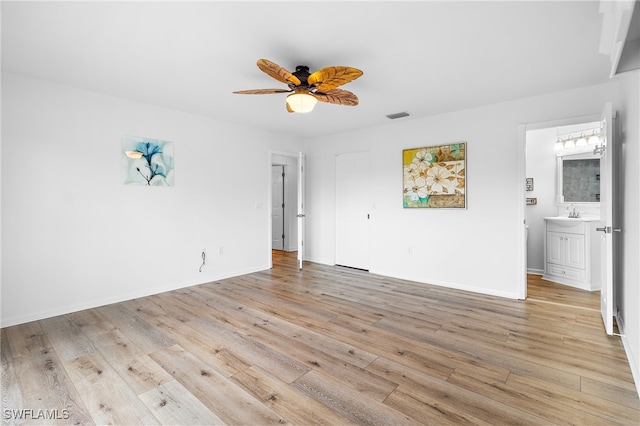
x=352, y=210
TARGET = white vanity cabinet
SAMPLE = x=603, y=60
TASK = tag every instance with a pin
x=571, y=247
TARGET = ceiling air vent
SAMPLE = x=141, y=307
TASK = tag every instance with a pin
x=397, y=115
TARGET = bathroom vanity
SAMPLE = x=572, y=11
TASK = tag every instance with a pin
x=572, y=252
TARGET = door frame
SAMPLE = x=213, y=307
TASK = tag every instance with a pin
x=522, y=170
x=271, y=153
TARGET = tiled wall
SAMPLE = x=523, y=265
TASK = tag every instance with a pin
x=581, y=180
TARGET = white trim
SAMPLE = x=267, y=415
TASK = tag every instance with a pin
x=522, y=212
x=633, y=363
x=451, y=285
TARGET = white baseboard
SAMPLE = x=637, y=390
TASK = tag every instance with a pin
x=36, y=316
x=633, y=362
x=447, y=284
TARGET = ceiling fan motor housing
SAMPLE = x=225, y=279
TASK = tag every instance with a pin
x=302, y=72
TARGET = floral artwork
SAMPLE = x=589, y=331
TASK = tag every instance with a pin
x=435, y=176
x=147, y=162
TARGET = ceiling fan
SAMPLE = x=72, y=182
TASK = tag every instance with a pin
x=307, y=89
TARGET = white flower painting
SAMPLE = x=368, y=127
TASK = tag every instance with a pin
x=434, y=177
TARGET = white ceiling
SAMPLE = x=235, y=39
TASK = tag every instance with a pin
x=425, y=58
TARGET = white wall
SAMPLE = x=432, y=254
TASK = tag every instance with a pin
x=477, y=249
x=74, y=237
x=541, y=166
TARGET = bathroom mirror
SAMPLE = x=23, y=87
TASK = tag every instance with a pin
x=579, y=178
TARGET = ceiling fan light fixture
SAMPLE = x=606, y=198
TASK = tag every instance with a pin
x=301, y=102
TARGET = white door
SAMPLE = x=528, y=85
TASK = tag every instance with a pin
x=301, y=214
x=352, y=210
x=607, y=217
x=277, y=207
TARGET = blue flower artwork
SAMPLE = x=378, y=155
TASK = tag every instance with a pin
x=147, y=162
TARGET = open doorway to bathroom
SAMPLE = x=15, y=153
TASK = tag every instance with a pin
x=547, y=193
x=545, y=198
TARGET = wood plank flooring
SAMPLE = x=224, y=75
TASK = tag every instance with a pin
x=325, y=346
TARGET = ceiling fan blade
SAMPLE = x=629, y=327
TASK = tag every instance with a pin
x=332, y=77
x=277, y=72
x=337, y=96
x=261, y=91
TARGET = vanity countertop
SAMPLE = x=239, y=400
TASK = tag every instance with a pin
x=574, y=219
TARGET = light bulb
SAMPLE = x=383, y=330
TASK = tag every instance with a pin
x=301, y=102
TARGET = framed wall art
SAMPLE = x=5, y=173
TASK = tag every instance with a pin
x=147, y=162
x=435, y=176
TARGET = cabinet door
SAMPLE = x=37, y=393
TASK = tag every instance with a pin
x=555, y=248
x=575, y=256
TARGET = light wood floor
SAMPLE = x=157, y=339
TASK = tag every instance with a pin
x=327, y=345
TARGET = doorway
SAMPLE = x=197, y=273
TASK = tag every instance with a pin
x=542, y=186
x=283, y=199
x=602, y=212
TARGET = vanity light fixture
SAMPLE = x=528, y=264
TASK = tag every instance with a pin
x=594, y=139
x=588, y=138
x=582, y=141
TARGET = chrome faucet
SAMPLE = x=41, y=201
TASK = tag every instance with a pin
x=572, y=212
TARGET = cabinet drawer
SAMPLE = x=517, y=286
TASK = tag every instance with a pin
x=569, y=273
x=566, y=226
